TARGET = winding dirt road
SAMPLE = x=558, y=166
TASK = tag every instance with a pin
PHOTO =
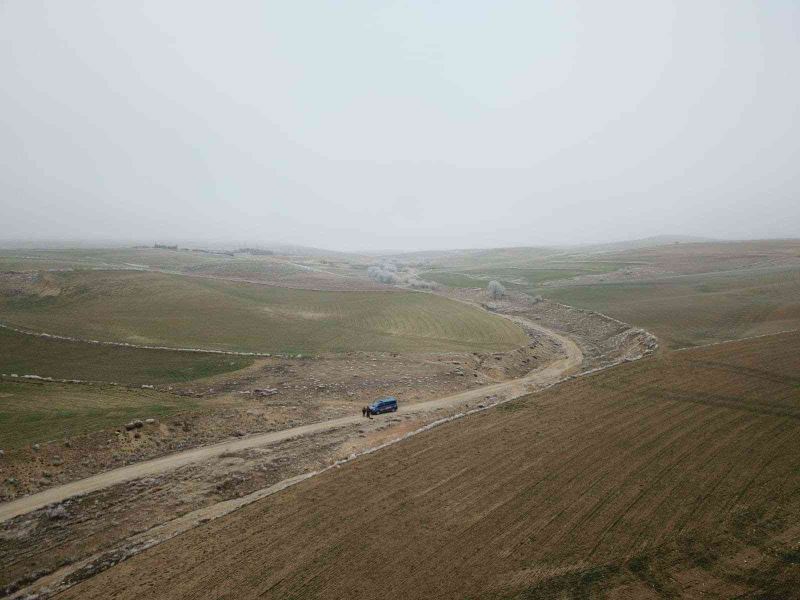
x=514, y=388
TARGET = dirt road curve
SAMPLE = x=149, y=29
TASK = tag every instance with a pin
x=509, y=389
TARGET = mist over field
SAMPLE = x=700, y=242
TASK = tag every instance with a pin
x=313, y=299
x=365, y=126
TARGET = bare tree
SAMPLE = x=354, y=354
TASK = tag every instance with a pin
x=496, y=290
x=381, y=275
x=421, y=284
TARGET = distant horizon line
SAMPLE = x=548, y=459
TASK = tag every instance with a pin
x=232, y=244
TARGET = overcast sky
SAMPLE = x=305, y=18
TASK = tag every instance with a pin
x=402, y=125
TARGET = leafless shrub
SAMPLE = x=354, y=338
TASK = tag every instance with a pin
x=496, y=290
x=420, y=284
x=57, y=512
x=382, y=275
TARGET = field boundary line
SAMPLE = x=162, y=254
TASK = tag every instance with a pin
x=607, y=317
x=752, y=337
x=27, y=378
x=669, y=276
x=68, y=338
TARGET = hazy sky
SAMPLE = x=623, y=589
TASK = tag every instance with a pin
x=403, y=125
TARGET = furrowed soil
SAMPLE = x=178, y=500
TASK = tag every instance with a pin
x=675, y=476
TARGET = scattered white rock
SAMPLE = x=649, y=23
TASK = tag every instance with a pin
x=57, y=512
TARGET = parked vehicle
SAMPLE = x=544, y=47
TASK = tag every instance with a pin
x=383, y=405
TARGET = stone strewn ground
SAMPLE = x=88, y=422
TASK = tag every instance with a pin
x=602, y=339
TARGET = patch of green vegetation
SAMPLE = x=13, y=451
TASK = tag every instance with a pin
x=22, y=263
x=34, y=412
x=697, y=309
x=248, y=268
x=522, y=278
x=527, y=277
x=699, y=553
x=791, y=556
x=171, y=310
x=454, y=280
x=641, y=566
x=513, y=406
x=93, y=258
x=32, y=355
x=585, y=583
x=495, y=257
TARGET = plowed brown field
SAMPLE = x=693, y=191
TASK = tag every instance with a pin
x=677, y=476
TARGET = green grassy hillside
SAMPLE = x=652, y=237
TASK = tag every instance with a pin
x=32, y=355
x=176, y=311
x=697, y=309
x=520, y=278
x=157, y=258
x=37, y=412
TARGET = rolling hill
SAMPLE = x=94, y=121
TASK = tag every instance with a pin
x=160, y=309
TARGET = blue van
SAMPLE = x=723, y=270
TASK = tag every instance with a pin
x=383, y=405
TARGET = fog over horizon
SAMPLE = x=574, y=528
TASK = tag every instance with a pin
x=405, y=126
